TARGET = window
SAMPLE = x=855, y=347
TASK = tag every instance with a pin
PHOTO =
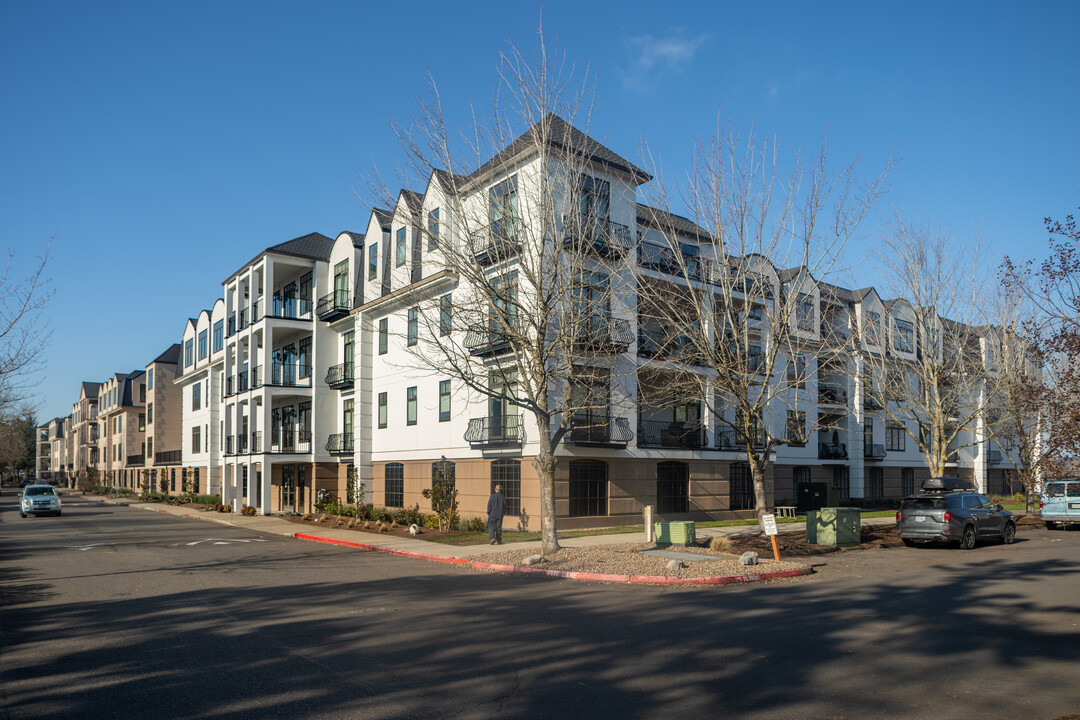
x=672, y=487
x=150, y=379
x=373, y=261
x=508, y=474
x=875, y=483
x=304, y=294
x=445, y=472
x=394, y=485
x=741, y=487
x=594, y=201
x=400, y=247
x=588, y=488
x=172, y=480
x=142, y=392
x=413, y=327
x=219, y=336
x=868, y=437
x=150, y=413
x=341, y=284
x=303, y=360
x=120, y=424
x=872, y=327
x=842, y=481
x=804, y=313
x=446, y=315
x=384, y=335
x=196, y=396
x=796, y=428
x=142, y=422
x=796, y=372
x=243, y=480
x=504, y=210
x=382, y=410
x=903, y=336
x=203, y=346
x=189, y=353
x=895, y=438
x=907, y=481
x=196, y=440
x=410, y=405
x=444, y=401
x=349, y=352
x=433, y=229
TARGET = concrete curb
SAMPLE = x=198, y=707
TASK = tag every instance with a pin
x=566, y=574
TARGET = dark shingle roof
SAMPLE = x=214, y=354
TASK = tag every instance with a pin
x=383, y=216
x=562, y=135
x=171, y=356
x=357, y=238
x=91, y=389
x=314, y=246
x=663, y=220
x=414, y=200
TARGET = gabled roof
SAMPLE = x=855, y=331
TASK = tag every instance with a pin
x=414, y=200
x=561, y=135
x=90, y=389
x=664, y=220
x=357, y=237
x=313, y=246
x=837, y=293
x=383, y=216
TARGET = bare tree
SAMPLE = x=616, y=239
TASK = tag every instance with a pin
x=530, y=229
x=931, y=376
x=23, y=331
x=741, y=327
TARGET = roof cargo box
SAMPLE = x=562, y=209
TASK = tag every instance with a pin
x=946, y=483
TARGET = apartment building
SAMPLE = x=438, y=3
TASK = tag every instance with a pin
x=122, y=430
x=164, y=418
x=201, y=384
x=83, y=452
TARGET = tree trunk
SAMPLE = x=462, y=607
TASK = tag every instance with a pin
x=757, y=476
x=545, y=468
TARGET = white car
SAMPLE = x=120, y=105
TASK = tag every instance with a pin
x=39, y=500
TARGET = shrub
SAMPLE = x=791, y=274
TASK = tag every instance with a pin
x=476, y=524
x=226, y=509
x=247, y=510
x=432, y=521
x=1019, y=497
x=206, y=499
x=720, y=545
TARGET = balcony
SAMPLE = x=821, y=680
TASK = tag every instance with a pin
x=496, y=431
x=230, y=327
x=256, y=442
x=599, y=430
x=729, y=440
x=664, y=345
x=340, y=377
x=229, y=445
x=340, y=444
x=498, y=242
x=832, y=451
x=169, y=457
x=873, y=452
x=602, y=333
x=993, y=457
x=670, y=434
x=136, y=460
x=831, y=395
x=241, y=443
x=290, y=374
x=483, y=342
x=286, y=307
x=664, y=259
x=599, y=236
x=256, y=377
x=870, y=404
x=333, y=306
x=834, y=336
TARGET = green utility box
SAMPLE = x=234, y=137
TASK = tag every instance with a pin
x=682, y=532
x=834, y=526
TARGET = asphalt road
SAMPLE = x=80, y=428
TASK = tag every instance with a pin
x=113, y=612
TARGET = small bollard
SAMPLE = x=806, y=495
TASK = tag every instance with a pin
x=650, y=530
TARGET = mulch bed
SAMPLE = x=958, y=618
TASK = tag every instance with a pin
x=455, y=537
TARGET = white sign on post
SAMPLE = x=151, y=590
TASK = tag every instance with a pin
x=769, y=521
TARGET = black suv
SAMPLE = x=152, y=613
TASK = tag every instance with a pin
x=949, y=510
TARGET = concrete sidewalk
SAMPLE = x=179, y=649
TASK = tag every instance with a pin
x=417, y=546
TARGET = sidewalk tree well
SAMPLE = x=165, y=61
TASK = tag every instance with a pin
x=730, y=297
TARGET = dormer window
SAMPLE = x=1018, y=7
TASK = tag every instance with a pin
x=400, y=248
x=903, y=336
x=804, y=313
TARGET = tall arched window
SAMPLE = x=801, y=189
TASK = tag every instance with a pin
x=672, y=487
x=740, y=487
x=588, y=488
x=394, y=485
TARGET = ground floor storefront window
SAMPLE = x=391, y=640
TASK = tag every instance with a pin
x=508, y=474
x=588, y=488
x=672, y=487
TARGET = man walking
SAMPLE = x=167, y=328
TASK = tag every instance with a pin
x=496, y=509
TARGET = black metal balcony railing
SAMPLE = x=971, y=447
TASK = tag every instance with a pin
x=596, y=235
x=241, y=444
x=241, y=382
x=256, y=441
x=333, y=306
x=731, y=439
x=599, y=429
x=497, y=242
x=993, y=457
x=832, y=395
x=229, y=445
x=835, y=336
x=169, y=457
x=230, y=328
x=290, y=374
x=873, y=452
x=667, y=345
x=340, y=377
x=255, y=375
x=229, y=385
x=484, y=342
x=671, y=434
x=340, y=443
x=255, y=316
x=500, y=430
x=829, y=451
x=601, y=332
x=658, y=257
x=870, y=403
x=136, y=460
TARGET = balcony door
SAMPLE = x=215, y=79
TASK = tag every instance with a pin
x=594, y=205
x=502, y=412
x=590, y=400
x=592, y=304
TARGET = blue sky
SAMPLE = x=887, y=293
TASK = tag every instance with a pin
x=164, y=145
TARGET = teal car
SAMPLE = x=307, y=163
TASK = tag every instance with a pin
x=1060, y=503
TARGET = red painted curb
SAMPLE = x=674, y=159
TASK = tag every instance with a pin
x=380, y=548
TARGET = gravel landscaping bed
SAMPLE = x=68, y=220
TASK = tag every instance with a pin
x=629, y=560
